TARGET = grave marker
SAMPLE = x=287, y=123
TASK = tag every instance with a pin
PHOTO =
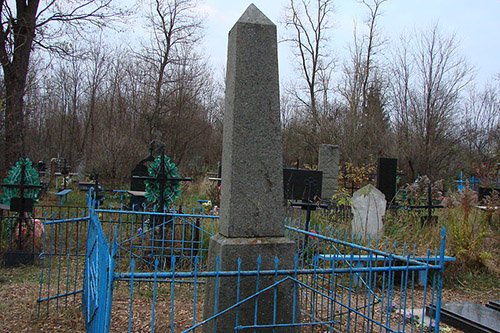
x=141, y=170
x=252, y=207
x=301, y=184
x=165, y=179
x=368, y=208
x=328, y=162
x=387, y=169
x=469, y=317
x=23, y=178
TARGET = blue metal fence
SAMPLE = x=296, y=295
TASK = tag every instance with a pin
x=154, y=277
x=98, y=279
x=332, y=295
x=62, y=260
x=141, y=235
x=147, y=236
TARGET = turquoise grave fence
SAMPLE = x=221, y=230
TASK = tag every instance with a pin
x=160, y=272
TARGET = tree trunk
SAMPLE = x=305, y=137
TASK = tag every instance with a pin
x=14, y=119
x=15, y=70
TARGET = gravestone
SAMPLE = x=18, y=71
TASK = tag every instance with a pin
x=302, y=185
x=140, y=170
x=137, y=185
x=252, y=206
x=469, y=317
x=368, y=208
x=41, y=167
x=387, y=169
x=328, y=162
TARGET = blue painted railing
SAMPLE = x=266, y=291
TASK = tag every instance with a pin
x=160, y=272
x=98, y=279
x=340, y=296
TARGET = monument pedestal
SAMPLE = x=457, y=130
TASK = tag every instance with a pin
x=248, y=250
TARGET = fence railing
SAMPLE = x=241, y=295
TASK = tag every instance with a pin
x=157, y=270
x=62, y=263
x=25, y=233
x=141, y=235
x=329, y=289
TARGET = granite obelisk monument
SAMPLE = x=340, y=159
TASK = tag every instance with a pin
x=252, y=205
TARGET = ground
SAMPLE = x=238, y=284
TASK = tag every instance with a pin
x=19, y=291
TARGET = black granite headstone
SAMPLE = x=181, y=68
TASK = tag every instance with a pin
x=302, y=184
x=138, y=184
x=386, y=177
x=41, y=167
x=495, y=305
x=21, y=205
x=470, y=317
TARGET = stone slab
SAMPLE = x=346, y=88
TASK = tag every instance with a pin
x=495, y=305
x=249, y=249
x=328, y=162
x=470, y=317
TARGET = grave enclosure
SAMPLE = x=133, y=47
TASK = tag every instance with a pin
x=249, y=269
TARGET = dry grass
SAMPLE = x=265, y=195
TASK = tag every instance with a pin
x=18, y=307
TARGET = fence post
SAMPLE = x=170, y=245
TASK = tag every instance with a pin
x=440, y=279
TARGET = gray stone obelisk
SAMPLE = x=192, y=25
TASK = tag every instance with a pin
x=252, y=205
x=328, y=162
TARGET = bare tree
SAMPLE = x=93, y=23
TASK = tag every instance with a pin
x=480, y=128
x=307, y=24
x=24, y=25
x=362, y=89
x=428, y=76
x=373, y=44
x=63, y=91
x=175, y=24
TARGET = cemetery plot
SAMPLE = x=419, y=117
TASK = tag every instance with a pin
x=250, y=269
x=340, y=295
x=327, y=294
x=65, y=241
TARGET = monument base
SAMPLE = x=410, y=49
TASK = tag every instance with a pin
x=274, y=306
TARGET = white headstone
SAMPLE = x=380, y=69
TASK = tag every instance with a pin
x=368, y=208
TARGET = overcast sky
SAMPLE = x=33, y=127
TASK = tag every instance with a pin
x=476, y=24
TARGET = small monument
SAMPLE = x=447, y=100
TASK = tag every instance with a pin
x=252, y=206
x=368, y=208
x=328, y=162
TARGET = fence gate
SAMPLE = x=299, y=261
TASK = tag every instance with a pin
x=98, y=279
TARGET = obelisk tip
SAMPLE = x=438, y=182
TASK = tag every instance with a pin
x=253, y=15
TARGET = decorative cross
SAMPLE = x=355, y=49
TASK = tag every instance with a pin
x=95, y=177
x=163, y=178
x=21, y=204
x=64, y=173
x=24, y=204
x=429, y=205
